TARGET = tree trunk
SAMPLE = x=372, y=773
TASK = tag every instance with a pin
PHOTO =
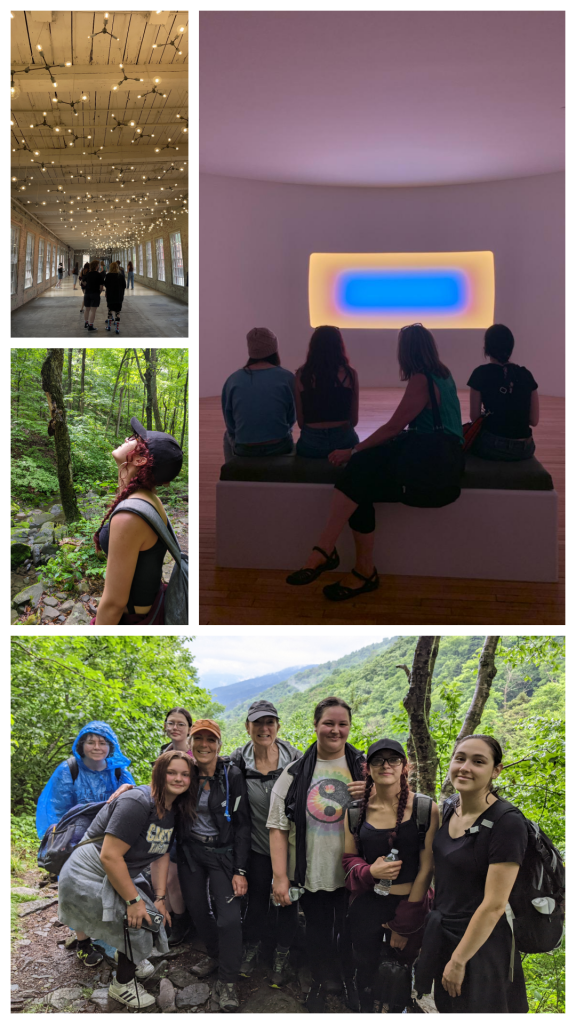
x=58, y=429
x=69, y=388
x=151, y=357
x=486, y=673
x=114, y=392
x=122, y=389
x=82, y=376
x=185, y=408
x=420, y=742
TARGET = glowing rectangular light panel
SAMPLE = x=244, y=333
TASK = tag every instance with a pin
x=391, y=289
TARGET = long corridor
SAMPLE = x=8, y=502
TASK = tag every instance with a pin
x=146, y=313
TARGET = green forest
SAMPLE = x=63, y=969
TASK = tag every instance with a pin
x=59, y=684
x=69, y=409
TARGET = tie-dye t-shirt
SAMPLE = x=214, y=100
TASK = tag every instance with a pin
x=327, y=801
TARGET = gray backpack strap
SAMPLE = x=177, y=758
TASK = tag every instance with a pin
x=423, y=816
x=147, y=511
x=73, y=766
x=353, y=815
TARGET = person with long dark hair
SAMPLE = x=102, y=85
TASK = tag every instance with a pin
x=420, y=465
x=133, y=590
x=115, y=286
x=507, y=395
x=101, y=883
x=258, y=401
x=326, y=396
x=75, y=275
x=387, y=820
x=262, y=760
x=468, y=948
x=82, y=278
x=94, y=286
x=177, y=726
x=130, y=275
x=306, y=825
x=213, y=857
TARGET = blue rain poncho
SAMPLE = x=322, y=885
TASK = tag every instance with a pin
x=60, y=793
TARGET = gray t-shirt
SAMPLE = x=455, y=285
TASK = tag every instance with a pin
x=203, y=824
x=259, y=793
x=132, y=817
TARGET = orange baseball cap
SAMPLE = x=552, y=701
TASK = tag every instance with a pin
x=209, y=725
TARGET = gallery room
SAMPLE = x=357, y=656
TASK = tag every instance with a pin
x=381, y=248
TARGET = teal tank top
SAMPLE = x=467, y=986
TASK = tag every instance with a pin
x=450, y=411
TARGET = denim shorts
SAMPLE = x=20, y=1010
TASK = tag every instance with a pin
x=317, y=443
x=503, y=449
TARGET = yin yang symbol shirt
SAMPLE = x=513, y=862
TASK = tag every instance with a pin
x=326, y=804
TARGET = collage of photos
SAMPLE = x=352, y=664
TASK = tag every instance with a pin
x=231, y=791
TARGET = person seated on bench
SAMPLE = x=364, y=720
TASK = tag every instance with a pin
x=419, y=466
x=326, y=397
x=508, y=394
x=258, y=401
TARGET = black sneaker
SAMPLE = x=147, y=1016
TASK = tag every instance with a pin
x=89, y=955
x=179, y=929
x=280, y=967
x=316, y=1000
x=92, y=328
x=250, y=959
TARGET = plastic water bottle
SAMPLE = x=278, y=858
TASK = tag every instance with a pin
x=383, y=885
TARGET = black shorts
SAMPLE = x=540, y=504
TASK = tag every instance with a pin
x=91, y=300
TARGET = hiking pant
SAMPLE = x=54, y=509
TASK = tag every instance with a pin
x=199, y=866
x=325, y=932
x=260, y=906
x=368, y=912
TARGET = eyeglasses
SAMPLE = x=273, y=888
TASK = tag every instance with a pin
x=411, y=325
x=378, y=762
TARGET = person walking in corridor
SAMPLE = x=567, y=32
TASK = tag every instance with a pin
x=94, y=286
x=75, y=275
x=130, y=275
x=60, y=275
x=115, y=286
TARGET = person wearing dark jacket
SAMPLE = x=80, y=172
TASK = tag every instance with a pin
x=262, y=761
x=115, y=286
x=306, y=823
x=94, y=285
x=214, y=851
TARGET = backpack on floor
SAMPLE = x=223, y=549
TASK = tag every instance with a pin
x=61, y=839
x=535, y=910
x=393, y=983
x=423, y=816
x=176, y=596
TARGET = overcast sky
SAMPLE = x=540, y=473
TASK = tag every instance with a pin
x=244, y=657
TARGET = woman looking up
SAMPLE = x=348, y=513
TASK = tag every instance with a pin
x=213, y=854
x=326, y=397
x=306, y=823
x=258, y=401
x=134, y=591
x=387, y=820
x=467, y=941
x=262, y=761
x=508, y=394
x=393, y=464
x=102, y=881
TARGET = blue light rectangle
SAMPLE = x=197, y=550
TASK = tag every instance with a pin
x=409, y=290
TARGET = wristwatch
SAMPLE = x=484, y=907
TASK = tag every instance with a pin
x=130, y=903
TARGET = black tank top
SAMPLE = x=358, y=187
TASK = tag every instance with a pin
x=374, y=843
x=327, y=403
x=147, y=574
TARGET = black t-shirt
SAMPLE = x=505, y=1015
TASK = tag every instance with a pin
x=132, y=817
x=374, y=843
x=461, y=865
x=94, y=280
x=506, y=393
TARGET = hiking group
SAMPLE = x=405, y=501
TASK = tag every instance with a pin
x=254, y=849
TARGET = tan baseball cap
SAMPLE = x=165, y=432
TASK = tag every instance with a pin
x=207, y=724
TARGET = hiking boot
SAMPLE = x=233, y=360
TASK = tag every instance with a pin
x=315, y=1000
x=250, y=959
x=207, y=965
x=144, y=969
x=224, y=992
x=280, y=965
x=350, y=995
x=131, y=993
x=89, y=955
x=179, y=929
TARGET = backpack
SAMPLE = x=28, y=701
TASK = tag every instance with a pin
x=535, y=910
x=61, y=839
x=176, y=595
x=423, y=816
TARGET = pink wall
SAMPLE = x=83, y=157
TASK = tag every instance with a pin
x=256, y=237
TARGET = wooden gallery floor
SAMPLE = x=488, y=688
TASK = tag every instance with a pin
x=257, y=596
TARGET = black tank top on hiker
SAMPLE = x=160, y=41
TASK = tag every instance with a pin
x=147, y=574
x=326, y=404
x=374, y=843
x=506, y=393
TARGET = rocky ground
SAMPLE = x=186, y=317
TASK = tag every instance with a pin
x=49, y=978
x=36, y=537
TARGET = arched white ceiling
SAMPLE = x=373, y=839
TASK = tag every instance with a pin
x=381, y=98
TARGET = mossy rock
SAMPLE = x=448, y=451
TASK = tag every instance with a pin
x=19, y=553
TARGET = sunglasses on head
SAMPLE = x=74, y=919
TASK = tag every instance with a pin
x=411, y=325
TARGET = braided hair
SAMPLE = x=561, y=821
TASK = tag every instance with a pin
x=143, y=478
x=402, y=802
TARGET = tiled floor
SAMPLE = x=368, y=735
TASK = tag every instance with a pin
x=146, y=313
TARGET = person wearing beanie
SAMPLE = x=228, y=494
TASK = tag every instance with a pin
x=258, y=401
x=134, y=591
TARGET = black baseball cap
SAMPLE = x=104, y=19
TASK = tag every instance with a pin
x=385, y=745
x=165, y=450
x=260, y=709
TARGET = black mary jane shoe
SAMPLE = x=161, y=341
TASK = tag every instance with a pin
x=303, y=576
x=338, y=592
